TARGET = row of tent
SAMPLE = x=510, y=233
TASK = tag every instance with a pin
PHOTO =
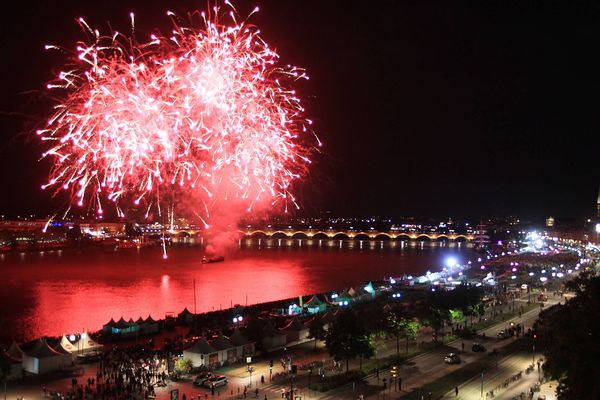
x=314, y=305
x=42, y=358
x=131, y=327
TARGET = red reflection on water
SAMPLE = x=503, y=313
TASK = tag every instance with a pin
x=51, y=294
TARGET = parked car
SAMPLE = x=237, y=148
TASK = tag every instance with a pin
x=503, y=334
x=215, y=381
x=478, y=347
x=452, y=358
x=203, y=377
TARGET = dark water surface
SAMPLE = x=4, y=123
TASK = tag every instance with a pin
x=51, y=293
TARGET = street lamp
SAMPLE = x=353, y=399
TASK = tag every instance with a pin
x=248, y=361
x=482, y=385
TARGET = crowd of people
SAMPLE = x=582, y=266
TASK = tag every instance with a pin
x=122, y=374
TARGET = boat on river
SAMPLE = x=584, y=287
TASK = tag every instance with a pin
x=208, y=260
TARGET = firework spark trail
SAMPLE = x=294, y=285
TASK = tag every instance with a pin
x=207, y=110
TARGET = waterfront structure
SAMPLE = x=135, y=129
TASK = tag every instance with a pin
x=202, y=354
x=341, y=234
x=43, y=359
x=598, y=205
x=295, y=331
x=272, y=338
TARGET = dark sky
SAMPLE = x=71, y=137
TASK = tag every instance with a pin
x=450, y=109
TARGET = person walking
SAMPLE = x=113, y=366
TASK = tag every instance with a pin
x=456, y=391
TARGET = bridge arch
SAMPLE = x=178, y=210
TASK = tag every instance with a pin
x=258, y=234
x=382, y=236
x=320, y=236
x=423, y=238
x=340, y=236
x=279, y=235
x=361, y=236
x=300, y=235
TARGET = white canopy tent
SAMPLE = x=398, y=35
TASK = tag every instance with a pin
x=86, y=344
x=42, y=359
x=67, y=345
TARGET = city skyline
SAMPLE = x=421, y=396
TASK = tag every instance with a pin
x=421, y=109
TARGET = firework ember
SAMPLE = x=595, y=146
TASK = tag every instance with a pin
x=206, y=110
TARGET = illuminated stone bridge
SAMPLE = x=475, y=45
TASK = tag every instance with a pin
x=344, y=234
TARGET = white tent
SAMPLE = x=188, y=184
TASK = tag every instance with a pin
x=86, y=344
x=67, y=358
x=42, y=359
x=67, y=345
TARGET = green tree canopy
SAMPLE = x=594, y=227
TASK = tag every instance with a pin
x=316, y=329
x=569, y=336
x=401, y=327
x=347, y=338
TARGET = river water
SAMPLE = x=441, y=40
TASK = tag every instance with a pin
x=51, y=293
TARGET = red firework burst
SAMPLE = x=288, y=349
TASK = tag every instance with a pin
x=207, y=110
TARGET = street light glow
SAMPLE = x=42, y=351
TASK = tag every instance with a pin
x=451, y=262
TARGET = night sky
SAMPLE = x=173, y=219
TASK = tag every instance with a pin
x=450, y=109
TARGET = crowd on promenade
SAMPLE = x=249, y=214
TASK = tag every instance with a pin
x=131, y=373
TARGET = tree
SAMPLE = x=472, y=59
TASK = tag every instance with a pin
x=401, y=327
x=347, y=338
x=568, y=335
x=365, y=348
x=456, y=316
x=184, y=365
x=436, y=319
x=316, y=329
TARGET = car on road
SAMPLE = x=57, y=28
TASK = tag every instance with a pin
x=203, y=377
x=503, y=334
x=478, y=347
x=452, y=358
x=215, y=381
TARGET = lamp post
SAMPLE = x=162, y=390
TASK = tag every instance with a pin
x=249, y=367
x=482, y=385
